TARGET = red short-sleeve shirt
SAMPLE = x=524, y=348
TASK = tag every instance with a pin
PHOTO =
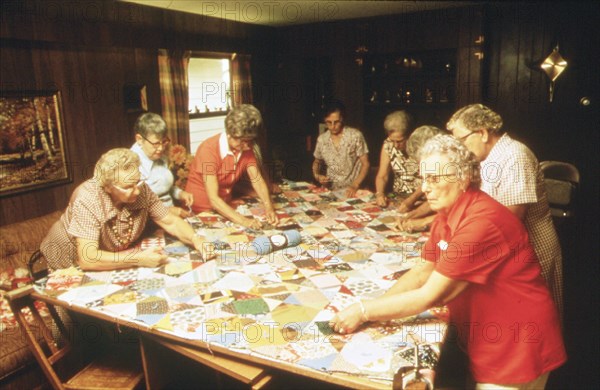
x=208, y=160
x=506, y=318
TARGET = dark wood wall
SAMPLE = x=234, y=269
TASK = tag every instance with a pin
x=89, y=51
x=317, y=62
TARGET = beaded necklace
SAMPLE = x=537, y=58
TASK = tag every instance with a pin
x=126, y=240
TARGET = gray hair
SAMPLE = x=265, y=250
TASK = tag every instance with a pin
x=243, y=121
x=418, y=138
x=476, y=117
x=457, y=153
x=398, y=121
x=107, y=168
x=150, y=123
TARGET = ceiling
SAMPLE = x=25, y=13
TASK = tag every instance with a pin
x=286, y=13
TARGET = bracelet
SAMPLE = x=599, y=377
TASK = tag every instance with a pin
x=363, y=311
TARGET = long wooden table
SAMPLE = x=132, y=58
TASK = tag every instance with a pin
x=243, y=313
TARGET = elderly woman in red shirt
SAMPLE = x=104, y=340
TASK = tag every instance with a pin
x=106, y=216
x=479, y=262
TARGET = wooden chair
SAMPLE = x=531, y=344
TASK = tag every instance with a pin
x=119, y=368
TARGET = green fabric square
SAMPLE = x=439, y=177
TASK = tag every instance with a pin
x=251, y=306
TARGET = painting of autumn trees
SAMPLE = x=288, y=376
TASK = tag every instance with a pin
x=32, y=143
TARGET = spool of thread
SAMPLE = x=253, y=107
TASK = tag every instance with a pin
x=265, y=245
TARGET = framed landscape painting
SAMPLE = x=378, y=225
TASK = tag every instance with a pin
x=33, y=148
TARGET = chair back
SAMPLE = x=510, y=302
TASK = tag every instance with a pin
x=562, y=181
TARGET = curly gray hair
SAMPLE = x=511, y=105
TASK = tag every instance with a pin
x=418, y=138
x=243, y=121
x=398, y=121
x=150, y=123
x=457, y=153
x=476, y=117
x=110, y=163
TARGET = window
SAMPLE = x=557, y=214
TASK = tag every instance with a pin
x=209, y=97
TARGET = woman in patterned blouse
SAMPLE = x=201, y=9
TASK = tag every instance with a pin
x=394, y=157
x=106, y=217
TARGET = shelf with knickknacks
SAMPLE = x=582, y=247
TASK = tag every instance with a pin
x=422, y=82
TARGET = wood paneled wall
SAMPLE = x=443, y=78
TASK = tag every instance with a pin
x=519, y=37
x=89, y=51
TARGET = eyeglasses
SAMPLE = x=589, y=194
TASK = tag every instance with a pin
x=464, y=137
x=129, y=190
x=164, y=143
x=244, y=140
x=436, y=179
x=396, y=142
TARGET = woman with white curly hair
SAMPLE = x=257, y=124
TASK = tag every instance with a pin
x=479, y=262
x=105, y=219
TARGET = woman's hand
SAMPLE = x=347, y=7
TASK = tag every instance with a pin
x=323, y=180
x=347, y=320
x=404, y=207
x=381, y=199
x=179, y=212
x=205, y=248
x=271, y=216
x=186, y=198
x=412, y=224
x=351, y=191
x=151, y=257
x=251, y=223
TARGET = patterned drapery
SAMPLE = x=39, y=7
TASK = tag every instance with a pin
x=173, y=79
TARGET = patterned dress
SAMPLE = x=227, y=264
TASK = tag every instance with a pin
x=342, y=160
x=405, y=170
x=511, y=175
x=91, y=215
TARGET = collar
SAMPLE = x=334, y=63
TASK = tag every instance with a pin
x=499, y=149
x=145, y=162
x=457, y=212
x=224, y=149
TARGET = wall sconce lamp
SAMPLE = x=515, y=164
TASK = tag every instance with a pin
x=553, y=66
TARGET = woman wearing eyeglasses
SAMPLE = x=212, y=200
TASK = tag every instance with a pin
x=106, y=216
x=478, y=261
x=394, y=158
x=151, y=144
x=222, y=160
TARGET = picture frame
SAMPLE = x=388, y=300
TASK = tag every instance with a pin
x=33, y=143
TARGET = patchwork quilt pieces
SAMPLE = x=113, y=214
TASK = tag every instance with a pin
x=276, y=306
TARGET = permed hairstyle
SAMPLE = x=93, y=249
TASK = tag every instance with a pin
x=398, y=121
x=457, y=153
x=335, y=106
x=150, y=123
x=107, y=168
x=243, y=121
x=418, y=138
x=476, y=117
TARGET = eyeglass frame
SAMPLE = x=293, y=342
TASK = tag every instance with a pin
x=246, y=140
x=464, y=137
x=129, y=190
x=403, y=140
x=164, y=143
x=435, y=179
